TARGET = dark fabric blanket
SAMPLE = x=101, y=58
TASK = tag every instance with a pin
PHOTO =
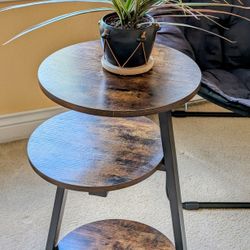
x=234, y=86
x=225, y=66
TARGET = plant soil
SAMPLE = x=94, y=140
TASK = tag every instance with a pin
x=115, y=22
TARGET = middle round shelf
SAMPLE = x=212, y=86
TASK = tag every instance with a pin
x=95, y=154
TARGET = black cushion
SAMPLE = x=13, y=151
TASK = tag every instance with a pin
x=213, y=52
x=229, y=84
x=225, y=66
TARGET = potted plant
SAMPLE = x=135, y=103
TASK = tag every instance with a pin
x=128, y=31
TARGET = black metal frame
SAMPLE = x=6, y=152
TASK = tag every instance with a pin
x=56, y=219
x=194, y=205
x=172, y=190
x=172, y=180
x=237, y=111
x=100, y=194
x=183, y=114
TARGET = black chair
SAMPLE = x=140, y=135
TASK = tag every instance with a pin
x=225, y=68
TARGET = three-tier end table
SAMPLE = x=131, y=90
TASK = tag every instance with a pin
x=105, y=143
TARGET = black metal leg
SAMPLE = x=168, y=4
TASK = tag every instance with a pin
x=56, y=218
x=195, y=205
x=172, y=182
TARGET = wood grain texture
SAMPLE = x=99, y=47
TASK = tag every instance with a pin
x=115, y=235
x=73, y=77
x=93, y=153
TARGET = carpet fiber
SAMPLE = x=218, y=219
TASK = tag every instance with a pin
x=214, y=164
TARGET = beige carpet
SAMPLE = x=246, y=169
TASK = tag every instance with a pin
x=214, y=164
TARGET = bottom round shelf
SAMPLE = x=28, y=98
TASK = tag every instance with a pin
x=115, y=235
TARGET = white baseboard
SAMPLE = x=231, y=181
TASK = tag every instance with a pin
x=20, y=125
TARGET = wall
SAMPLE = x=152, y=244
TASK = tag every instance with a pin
x=19, y=60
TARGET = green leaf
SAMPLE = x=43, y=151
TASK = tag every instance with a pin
x=123, y=8
x=216, y=5
x=24, y=5
x=130, y=12
x=118, y=10
x=128, y=4
x=197, y=28
x=57, y=19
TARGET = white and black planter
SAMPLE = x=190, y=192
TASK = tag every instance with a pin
x=127, y=51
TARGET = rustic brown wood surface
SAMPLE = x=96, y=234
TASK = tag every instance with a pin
x=93, y=153
x=115, y=235
x=73, y=77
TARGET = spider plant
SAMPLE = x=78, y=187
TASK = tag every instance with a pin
x=131, y=13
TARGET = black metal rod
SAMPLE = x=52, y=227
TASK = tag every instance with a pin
x=172, y=180
x=56, y=218
x=179, y=113
x=101, y=194
x=195, y=205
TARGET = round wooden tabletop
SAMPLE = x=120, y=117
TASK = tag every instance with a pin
x=115, y=234
x=73, y=77
x=93, y=153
